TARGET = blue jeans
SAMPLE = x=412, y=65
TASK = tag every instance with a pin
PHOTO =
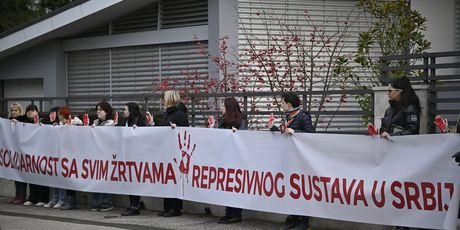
x=59, y=195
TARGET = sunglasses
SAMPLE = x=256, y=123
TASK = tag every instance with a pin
x=390, y=90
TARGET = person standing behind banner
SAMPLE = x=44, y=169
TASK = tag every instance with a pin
x=175, y=115
x=38, y=194
x=53, y=119
x=15, y=112
x=232, y=118
x=133, y=118
x=65, y=118
x=100, y=201
x=299, y=121
x=403, y=115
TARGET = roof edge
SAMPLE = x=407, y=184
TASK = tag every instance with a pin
x=41, y=18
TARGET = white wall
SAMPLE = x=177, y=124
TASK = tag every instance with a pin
x=441, y=28
x=440, y=17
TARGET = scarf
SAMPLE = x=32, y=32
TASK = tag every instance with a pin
x=291, y=115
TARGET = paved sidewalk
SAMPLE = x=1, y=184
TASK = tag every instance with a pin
x=147, y=219
x=20, y=223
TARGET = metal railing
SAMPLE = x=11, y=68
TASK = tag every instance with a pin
x=445, y=87
x=145, y=100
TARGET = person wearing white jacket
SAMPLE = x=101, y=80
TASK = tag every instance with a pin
x=65, y=118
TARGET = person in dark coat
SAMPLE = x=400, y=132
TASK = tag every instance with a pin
x=39, y=195
x=403, y=115
x=133, y=118
x=232, y=119
x=175, y=115
x=296, y=121
x=15, y=112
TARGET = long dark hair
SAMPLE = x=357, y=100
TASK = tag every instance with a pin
x=46, y=119
x=408, y=96
x=135, y=117
x=107, y=109
x=233, y=115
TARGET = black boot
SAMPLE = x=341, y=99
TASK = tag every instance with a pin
x=132, y=211
x=172, y=213
x=291, y=222
x=229, y=218
x=303, y=223
x=70, y=204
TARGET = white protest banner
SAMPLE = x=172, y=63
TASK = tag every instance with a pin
x=407, y=181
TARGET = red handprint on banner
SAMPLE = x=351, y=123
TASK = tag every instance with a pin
x=186, y=155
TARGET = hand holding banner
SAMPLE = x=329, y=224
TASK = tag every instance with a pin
x=271, y=121
x=211, y=121
x=115, y=118
x=69, y=120
x=372, y=130
x=53, y=116
x=441, y=123
x=85, y=119
x=149, y=118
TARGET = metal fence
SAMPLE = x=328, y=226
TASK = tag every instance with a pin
x=198, y=115
x=440, y=70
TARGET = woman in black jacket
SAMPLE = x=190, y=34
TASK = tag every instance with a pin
x=403, y=115
x=133, y=118
x=232, y=119
x=175, y=115
x=38, y=194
